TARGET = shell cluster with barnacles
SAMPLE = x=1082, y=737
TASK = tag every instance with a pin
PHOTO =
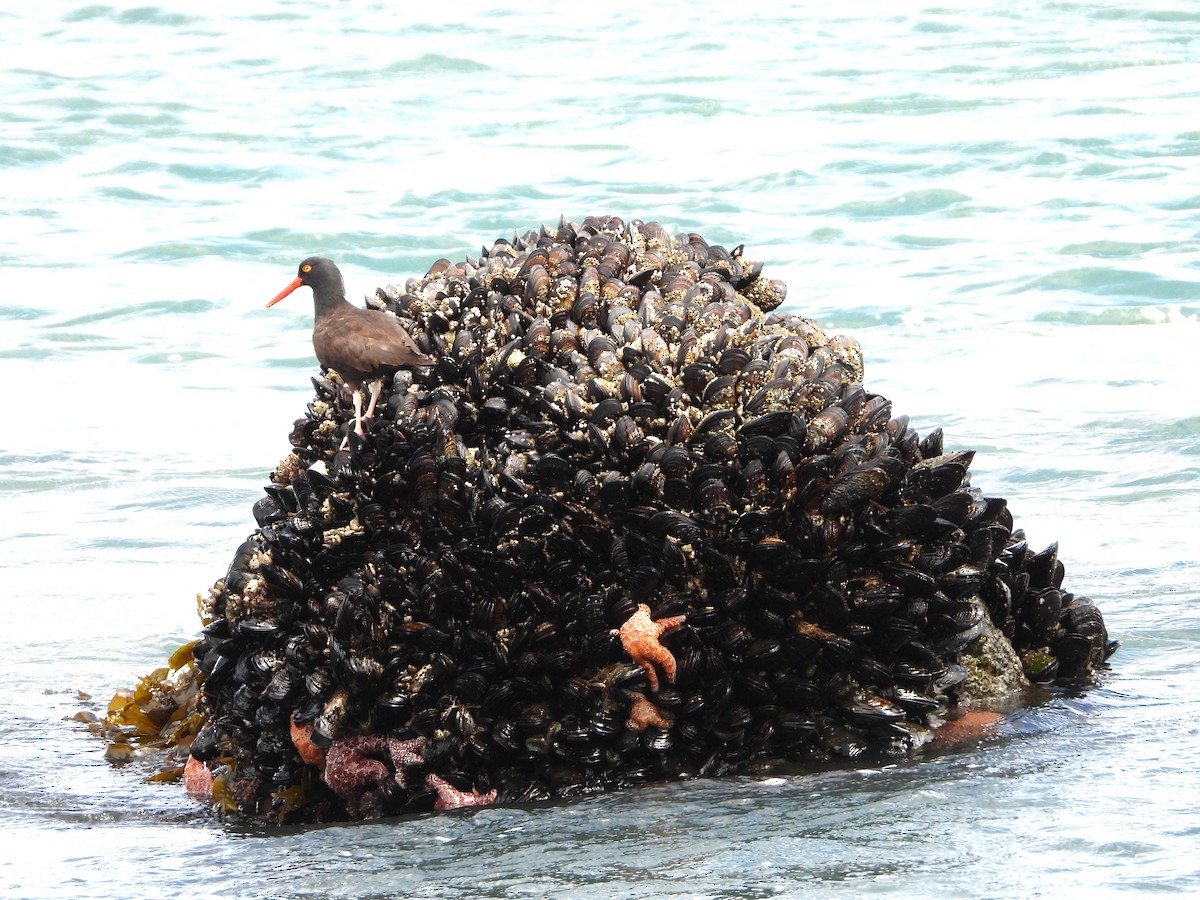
x=634, y=524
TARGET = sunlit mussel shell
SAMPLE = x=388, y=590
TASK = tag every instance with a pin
x=937, y=476
x=863, y=482
x=827, y=428
x=871, y=711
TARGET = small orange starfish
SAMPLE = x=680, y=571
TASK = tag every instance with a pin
x=302, y=741
x=198, y=780
x=644, y=713
x=449, y=797
x=639, y=636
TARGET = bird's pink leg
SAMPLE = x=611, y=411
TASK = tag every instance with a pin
x=376, y=390
x=357, y=394
x=358, y=413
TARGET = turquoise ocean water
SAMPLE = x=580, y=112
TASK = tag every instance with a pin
x=1000, y=201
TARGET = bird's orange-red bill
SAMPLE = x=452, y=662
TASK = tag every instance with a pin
x=287, y=290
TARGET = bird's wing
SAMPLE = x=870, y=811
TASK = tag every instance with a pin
x=394, y=346
x=367, y=342
x=390, y=343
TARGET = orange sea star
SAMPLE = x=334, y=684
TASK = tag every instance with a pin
x=644, y=713
x=639, y=636
x=198, y=780
x=302, y=741
x=449, y=797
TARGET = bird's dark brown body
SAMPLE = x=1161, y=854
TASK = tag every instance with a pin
x=361, y=345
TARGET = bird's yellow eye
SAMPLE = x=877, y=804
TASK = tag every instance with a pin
x=306, y=268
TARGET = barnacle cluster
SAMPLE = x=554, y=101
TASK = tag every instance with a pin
x=618, y=417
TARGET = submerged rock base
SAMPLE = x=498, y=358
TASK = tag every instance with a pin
x=634, y=525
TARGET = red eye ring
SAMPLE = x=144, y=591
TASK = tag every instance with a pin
x=306, y=269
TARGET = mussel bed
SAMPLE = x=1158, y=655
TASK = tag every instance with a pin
x=617, y=416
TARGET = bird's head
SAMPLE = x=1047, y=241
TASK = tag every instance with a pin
x=318, y=273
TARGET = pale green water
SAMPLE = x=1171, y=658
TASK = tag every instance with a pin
x=1001, y=202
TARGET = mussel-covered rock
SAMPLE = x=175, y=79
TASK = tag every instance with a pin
x=636, y=523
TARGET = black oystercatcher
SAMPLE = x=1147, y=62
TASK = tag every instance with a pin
x=360, y=344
